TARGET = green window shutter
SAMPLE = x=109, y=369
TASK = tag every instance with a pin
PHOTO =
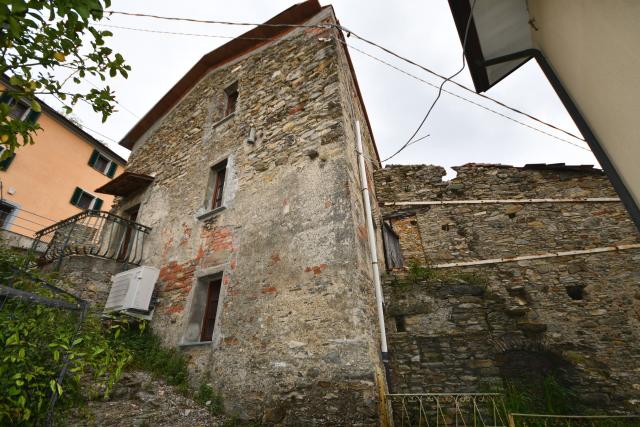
x=97, y=205
x=32, y=116
x=76, y=196
x=5, y=97
x=112, y=169
x=93, y=158
x=4, y=165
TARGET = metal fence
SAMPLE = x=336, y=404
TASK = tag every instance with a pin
x=16, y=299
x=448, y=409
x=96, y=233
x=544, y=420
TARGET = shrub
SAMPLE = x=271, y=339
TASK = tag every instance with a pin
x=35, y=340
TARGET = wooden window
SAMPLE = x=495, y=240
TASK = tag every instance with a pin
x=231, y=95
x=102, y=164
x=218, y=175
x=211, y=309
x=5, y=213
x=85, y=200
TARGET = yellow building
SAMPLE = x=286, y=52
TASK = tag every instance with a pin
x=588, y=50
x=56, y=177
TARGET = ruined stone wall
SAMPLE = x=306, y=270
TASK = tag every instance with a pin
x=295, y=331
x=469, y=329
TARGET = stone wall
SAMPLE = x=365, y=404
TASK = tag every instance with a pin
x=88, y=277
x=471, y=328
x=295, y=339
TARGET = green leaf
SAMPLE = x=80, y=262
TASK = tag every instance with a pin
x=35, y=106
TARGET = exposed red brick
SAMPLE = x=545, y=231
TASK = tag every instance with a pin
x=362, y=232
x=269, y=290
x=275, y=258
x=317, y=269
x=296, y=108
x=231, y=341
x=175, y=309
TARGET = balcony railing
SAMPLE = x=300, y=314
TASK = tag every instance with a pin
x=97, y=233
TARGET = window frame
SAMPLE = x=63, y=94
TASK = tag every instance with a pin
x=202, y=314
x=216, y=189
x=231, y=96
x=5, y=163
x=78, y=192
x=110, y=167
x=210, y=314
x=12, y=101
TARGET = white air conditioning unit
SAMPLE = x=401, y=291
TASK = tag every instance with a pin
x=131, y=292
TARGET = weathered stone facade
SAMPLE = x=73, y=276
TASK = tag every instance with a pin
x=295, y=339
x=468, y=329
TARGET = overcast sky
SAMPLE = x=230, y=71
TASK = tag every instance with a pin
x=422, y=30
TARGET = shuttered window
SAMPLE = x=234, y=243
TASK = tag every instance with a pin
x=19, y=109
x=6, y=162
x=85, y=200
x=102, y=164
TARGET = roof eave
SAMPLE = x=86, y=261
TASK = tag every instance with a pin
x=237, y=47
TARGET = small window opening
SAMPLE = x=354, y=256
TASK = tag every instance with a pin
x=218, y=175
x=211, y=309
x=231, y=95
x=511, y=215
x=400, y=324
x=445, y=227
x=575, y=292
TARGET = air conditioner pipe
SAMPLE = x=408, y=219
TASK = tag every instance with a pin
x=373, y=249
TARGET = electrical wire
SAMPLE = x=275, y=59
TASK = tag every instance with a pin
x=465, y=99
x=28, y=220
x=38, y=215
x=26, y=228
x=207, y=21
x=397, y=69
x=435, y=101
x=358, y=36
x=176, y=33
x=460, y=85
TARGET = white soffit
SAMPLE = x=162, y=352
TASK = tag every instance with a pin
x=503, y=28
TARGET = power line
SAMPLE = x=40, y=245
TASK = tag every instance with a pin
x=349, y=32
x=460, y=85
x=28, y=220
x=435, y=101
x=391, y=66
x=465, y=99
x=207, y=21
x=117, y=102
x=176, y=33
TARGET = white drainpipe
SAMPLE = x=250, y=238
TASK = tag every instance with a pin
x=372, y=245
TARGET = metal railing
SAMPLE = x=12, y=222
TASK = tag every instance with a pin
x=448, y=409
x=96, y=233
x=545, y=420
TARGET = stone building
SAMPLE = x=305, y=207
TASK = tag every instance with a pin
x=544, y=285
x=246, y=173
